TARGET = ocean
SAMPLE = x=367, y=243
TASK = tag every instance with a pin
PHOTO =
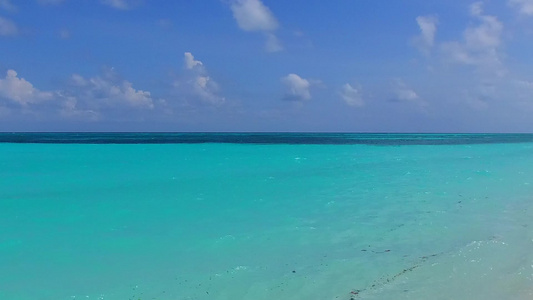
x=266, y=216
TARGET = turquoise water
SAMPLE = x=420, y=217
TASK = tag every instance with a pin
x=400, y=217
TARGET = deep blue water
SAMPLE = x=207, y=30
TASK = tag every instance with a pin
x=384, y=139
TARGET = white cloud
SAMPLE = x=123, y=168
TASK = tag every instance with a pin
x=428, y=29
x=404, y=93
x=121, y=4
x=78, y=80
x=190, y=63
x=476, y=8
x=7, y=27
x=480, y=43
x=84, y=98
x=7, y=5
x=69, y=108
x=199, y=83
x=272, y=43
x=525, y=7
x=20, y=91
x=110, y=92
x=100, y=95
x=253, y=15
x=351, y=95
x=485, y=37
x=297, y=88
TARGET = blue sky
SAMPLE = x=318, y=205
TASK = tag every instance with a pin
x=265, y=65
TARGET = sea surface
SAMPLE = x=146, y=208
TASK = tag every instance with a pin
x=267, y=216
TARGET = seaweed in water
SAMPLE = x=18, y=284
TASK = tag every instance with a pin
x=355, y=293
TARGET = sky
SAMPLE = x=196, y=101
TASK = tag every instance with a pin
x=266, y=65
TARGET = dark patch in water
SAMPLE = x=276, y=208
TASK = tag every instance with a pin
x=376, y=139
x=355, y=293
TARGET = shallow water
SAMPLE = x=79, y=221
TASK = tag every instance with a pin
x=401, y=217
